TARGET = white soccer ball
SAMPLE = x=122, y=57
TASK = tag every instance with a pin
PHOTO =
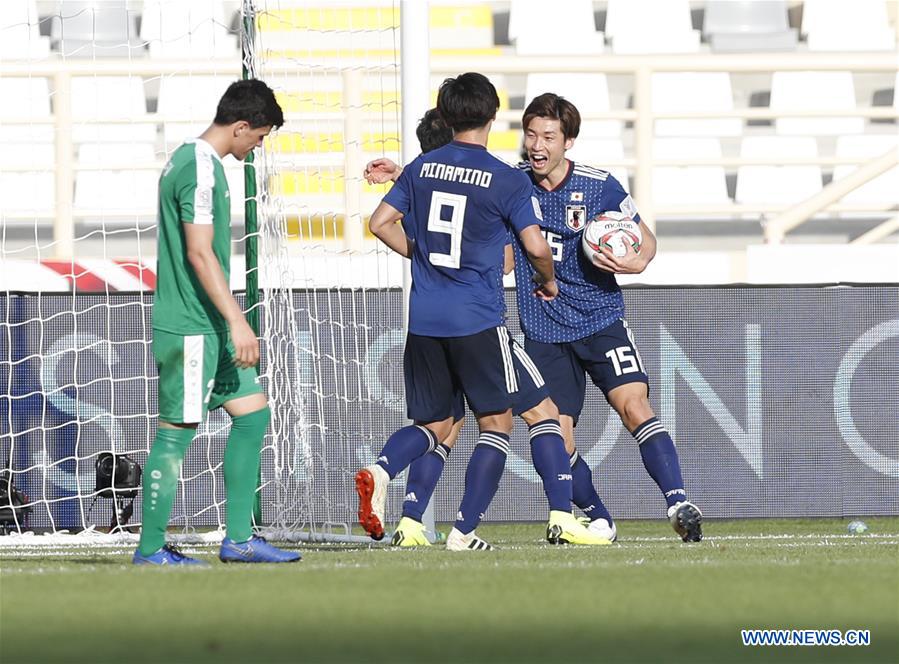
x=614, y=230
x=857, y=527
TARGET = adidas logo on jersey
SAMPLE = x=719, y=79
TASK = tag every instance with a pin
x=410, y=497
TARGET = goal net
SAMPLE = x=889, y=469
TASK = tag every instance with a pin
x=96, y=96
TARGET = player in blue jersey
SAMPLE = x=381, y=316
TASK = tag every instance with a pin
x=458, y=203
x=531, y=404
x=583, y=332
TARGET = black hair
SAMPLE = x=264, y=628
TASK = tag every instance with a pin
x=467, y=102
x=549, y=105
x=252, y=101
x=432, y=131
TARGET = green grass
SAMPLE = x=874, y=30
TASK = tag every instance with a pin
x=648, y=598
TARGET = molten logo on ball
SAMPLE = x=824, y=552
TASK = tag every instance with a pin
x=612, y=230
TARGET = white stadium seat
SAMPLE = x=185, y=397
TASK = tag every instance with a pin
x=862, y=25
x=815, y=91
x=536, y=31
x=186, y=29
x=194, y=100
x=694, y=91
x=25, y=98
x=669, y=31
x=686, y=185
x=123, y=190
x=777, y=185
x=589, y=92
x=884, y=189
x=597, y=152
x=90, y=29
x=20, y=37
x=111, y=100
x=748, y=26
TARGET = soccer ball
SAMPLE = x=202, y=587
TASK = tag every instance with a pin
x=857, y=527
x=614, y=230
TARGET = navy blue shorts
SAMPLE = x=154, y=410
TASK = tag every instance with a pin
x=532, y=388
x=610, y=357
x=438, y=369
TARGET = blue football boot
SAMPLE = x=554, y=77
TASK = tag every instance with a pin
x=167, y=555
x=254, y=550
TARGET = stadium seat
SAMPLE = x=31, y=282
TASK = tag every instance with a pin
x=120, y=189
x=834, y=26
x=688, y=185
x=669, y=31
x=25, y=98
x=192, y=100
x=815, y=91
x=748, y=26
x=772, y=184
x=536, y=31
x=598, y=152
x=20, y=37
x=882, y=190
x=88, y=29
x=589, y=92
x=102, y=106
x=27, y=192
x=186, y=29
x=694, y=91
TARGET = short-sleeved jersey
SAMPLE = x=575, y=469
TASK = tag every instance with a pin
x=589, y=299
x=458, y=203
x=192, y=189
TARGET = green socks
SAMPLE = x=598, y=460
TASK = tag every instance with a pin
x=242, y=459
x=160, y=484
x=160, y=479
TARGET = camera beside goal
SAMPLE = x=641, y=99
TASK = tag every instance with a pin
x=613, y=230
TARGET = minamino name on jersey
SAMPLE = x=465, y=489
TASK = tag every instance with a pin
x=456, y=174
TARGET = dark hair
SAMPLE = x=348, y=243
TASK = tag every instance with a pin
x=252, y=101
x=432, y=132
x=468, y=101
x=549, y=105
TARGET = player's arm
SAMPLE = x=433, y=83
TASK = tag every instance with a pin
x=508, y=259
x=198, y=238
x=540, y=256
x=381, y=170
x=383, y=225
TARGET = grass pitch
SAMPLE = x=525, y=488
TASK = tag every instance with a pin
x=649, y=598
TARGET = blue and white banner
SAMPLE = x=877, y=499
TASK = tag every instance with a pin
x=782, y=401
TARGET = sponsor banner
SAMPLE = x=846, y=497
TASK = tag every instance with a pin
x=782, y=402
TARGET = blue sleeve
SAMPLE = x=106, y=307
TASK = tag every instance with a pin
x=398, y=196
x=616, y=199
x=524, y=210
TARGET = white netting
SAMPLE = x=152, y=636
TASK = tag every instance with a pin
x=96, y=95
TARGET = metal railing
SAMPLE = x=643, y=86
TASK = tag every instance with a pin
x=639, y=67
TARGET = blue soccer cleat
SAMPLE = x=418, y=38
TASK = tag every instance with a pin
x=255, y=550
x=167, y=555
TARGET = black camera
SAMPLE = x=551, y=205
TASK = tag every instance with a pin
x=14, y=507
x=117, y=476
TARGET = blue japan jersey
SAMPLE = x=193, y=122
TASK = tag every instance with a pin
x=459, y=202
x=589, y=299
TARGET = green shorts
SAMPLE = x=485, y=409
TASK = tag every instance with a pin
x=197, y=373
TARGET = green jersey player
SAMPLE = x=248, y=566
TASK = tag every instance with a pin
x=205, y=350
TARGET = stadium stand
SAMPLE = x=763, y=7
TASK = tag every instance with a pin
x=833, y=26
x=814, y=91
x=669, y=31
x=697, y=92
x=86, y=29
x=688, y=185
x=770, y=184
x=748, y=26
x=536, y=31
x=21, y=35
x=186, y=29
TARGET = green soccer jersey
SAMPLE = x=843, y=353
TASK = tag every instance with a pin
x=192, y=189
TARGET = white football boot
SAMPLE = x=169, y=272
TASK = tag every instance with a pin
x=456, y=541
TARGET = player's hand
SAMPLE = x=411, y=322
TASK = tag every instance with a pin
x=381, y=170
x=631, y=263
x=547, y=291
x=246, y=345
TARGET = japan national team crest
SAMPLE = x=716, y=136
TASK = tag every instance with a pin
x=575, y=216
